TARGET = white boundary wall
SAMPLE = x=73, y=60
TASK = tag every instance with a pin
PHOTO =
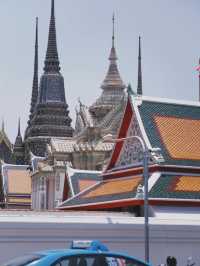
x=22, y=232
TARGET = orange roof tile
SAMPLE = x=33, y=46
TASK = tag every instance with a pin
x=19, y=200
x=180, y=136
x=188, y=183
x=19, y=181
x=111, y=187
x=83, y=184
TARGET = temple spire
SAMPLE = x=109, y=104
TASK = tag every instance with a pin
x=3, y=126
x=52, y=60
x=35, y=75
x=113, y=78
x=19, y=128
x=18, y=140
x=18, y=150
x=139, y=85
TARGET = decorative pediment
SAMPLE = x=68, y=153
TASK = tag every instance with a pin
x=131, y=152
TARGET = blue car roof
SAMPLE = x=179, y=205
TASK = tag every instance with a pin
x=69, y=252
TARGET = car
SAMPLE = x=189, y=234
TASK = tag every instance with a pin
x=81, y=253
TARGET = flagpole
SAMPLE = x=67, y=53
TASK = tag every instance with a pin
x=199, y=80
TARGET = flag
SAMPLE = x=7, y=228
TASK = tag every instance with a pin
x=198, y=68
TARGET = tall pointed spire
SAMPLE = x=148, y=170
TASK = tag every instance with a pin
x=51, y=114
x=3, y=126
x=113, y=54
x=113, y=77
x=52, y=60
x=19, y=128
x=35, y=75
x=18, y=140
x=18, y=150
x=139, y=85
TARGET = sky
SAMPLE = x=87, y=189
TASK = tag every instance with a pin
x=170, y=49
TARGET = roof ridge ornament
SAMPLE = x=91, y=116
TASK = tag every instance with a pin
x=130, y=90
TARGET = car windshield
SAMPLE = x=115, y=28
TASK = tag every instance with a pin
x=23, y=260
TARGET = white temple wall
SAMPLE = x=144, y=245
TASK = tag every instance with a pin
x=179, y=238
x=51, y=193
x=59, y=185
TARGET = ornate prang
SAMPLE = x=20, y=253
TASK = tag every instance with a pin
x=113, y=78
x=139, y=85
x=112, y=86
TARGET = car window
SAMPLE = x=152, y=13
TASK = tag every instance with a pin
x=98, y=260
x=76, y=261
x=23, y=260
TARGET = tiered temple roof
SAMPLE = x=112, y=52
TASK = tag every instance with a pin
x=6, y=147
x=16, y=186
x=174, y=172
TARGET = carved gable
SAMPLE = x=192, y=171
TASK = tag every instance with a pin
x=131, y=152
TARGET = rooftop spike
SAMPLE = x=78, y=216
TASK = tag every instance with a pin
x=35, y=75
x=139, y=85
x=113, y=54
x=52, y=60
x=113, y=35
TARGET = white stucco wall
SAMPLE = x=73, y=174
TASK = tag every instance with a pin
x=22, y=232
